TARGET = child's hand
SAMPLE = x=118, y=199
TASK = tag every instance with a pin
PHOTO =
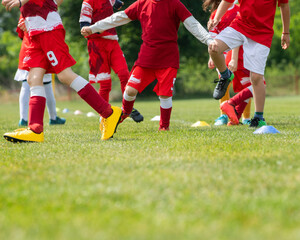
x=285, y=41
x=212, y=23
x=232, y=65
x=21, y=25
x=211, y=64
x=86, y=31
x=9, y=4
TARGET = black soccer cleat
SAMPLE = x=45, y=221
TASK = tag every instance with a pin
x=257, y=122
x=136, y=116
x=222, y=86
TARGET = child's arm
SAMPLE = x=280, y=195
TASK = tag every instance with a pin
x=9, y=4
x=233, y=64
x=285, y=18
x=195, y=28
x=224, y=5
x=115, y=20
x=59, y=2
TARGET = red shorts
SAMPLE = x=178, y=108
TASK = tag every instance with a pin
x=140, y=78
x=241, y=80
x=48, y=50
x=104, y=55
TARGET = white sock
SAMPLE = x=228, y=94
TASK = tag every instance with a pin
x=50, y=101
x=165, y=103
x=38, y=91
x=24, y=100
x=78, y=83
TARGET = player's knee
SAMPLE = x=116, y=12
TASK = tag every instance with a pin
x=257, y=79
x=130, y=91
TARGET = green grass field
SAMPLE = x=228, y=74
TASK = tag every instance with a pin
x=189, y=183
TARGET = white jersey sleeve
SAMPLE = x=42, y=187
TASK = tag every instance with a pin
x=195, y=28
x=115, y=20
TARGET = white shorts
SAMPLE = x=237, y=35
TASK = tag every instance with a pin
x=255, y=54
x=22, y=75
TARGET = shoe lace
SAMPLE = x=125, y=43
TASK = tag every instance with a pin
x=220, y=82
x=254, y=122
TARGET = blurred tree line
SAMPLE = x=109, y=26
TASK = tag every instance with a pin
x=194, y=78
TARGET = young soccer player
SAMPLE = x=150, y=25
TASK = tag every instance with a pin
x=47, y=51
x=252, y=28
x=22, y=74
x=234, y=58
x=104, y=50
x=159, y=56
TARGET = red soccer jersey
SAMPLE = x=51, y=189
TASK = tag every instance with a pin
x=160, y=21
x=95, y=10
x=225, y=21
x=256, y=19
x=41, y=16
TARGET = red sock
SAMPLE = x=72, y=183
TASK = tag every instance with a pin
x=127, y=106
x=37, y=106
x=240, y=109
x=105, y=88
x=240, y=97
x=165, y=115
x=123, y=76
x=90, y=95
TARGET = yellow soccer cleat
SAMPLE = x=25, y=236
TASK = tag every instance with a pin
x=110, y=124
x=24, y=135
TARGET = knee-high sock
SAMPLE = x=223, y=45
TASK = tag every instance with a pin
x=165, y=112
x=88, y=93
x=247, y=111
x=37, y=105
x=123, y=76
x=105, y=88
x=50, y=101
x=241, y=96
x=225, y=97
x=127, y=103
x=24, y=100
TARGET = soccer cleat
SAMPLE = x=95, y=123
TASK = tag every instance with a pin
x=24, y=135
x=256, y=122
x=230, y=112
x=23, y=122
x=222, y=86
x=110, y=124
x=222, y=120
x=162, y=129
x=246, y=121
x=57, y=121
x=136, y=116
x=233, y=124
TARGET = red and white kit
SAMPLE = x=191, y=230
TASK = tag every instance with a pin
x=23, y=69
x=160, y=22
x=252, y=28
x=242, y=75
x=47, y=49
x=104, y=50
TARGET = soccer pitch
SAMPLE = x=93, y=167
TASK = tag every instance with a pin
x=188, y=183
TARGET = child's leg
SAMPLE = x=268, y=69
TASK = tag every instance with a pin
x=123, y=76
x=86, y=91
x=165, y=112
x=104, y=90
x=259, y=94
x=37, y=102
x=129, y=97
x=50, y=100
x=225, y=98
x=24, y=100
x=247, y=111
